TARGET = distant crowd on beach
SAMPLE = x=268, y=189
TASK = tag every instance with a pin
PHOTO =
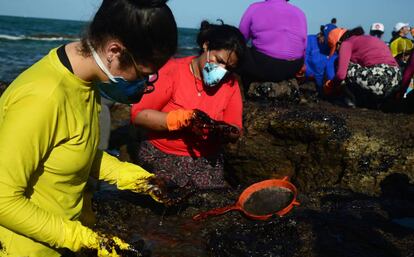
x=353, y=74
x=349, y=66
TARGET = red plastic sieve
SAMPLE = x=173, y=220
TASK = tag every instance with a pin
x=261, y=200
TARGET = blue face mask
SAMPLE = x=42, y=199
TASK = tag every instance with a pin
x=119, y=89
x=212, y=73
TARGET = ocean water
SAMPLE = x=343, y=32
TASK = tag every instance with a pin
x=23, y=41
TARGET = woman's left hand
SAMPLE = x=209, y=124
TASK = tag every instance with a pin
x=227, y=132
x=201, y=124
x=204, y=126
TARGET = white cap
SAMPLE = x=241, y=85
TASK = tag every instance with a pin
x=400, y=25
x=377, y=26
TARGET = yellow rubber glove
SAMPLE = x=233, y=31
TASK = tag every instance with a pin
x=179, y=119
x=76, y=236
x=125, y=175
x=134, y=182
x=111, y=246
x=130, y=179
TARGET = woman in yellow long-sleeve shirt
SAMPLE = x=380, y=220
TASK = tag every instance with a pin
x=49, y=127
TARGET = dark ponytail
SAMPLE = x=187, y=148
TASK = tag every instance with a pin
x=358, y=31
x=220, y=37
x=376, y=33
x=146, y=28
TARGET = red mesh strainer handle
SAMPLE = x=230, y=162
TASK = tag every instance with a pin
x=214, y=212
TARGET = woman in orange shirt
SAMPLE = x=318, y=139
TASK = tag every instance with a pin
x=196, y=106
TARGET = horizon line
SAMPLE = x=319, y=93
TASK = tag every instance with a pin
x=48, y=18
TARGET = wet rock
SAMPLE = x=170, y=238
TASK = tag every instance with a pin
x=278, y=237
x=319, y=144
x=329, y=222
x=312, y=141
x=354, y=169
x=3, y=87
x=285, y=91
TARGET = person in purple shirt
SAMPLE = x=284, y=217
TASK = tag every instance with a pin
x=278, y=34
x=367, y=66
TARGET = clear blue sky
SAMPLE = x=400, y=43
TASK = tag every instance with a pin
x=189, y=13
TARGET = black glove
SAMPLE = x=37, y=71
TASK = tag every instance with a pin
x=204, y=126
x=201, y=124
x=226, y=132
x=168, y=192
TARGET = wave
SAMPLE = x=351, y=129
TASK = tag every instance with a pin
x=188, y=47
x=40, y=37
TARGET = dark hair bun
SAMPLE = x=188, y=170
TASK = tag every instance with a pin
x=221, y=37
x=149, y=3
x=204, y=25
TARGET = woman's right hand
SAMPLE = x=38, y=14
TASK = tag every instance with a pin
x=196, y=120
x=328, y=88
x=179, y=119
x=201, y=125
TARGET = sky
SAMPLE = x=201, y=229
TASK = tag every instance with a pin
x=189, y=13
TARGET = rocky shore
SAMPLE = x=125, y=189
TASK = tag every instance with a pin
x=354, y=169
x=316, y=143
x=329, y=222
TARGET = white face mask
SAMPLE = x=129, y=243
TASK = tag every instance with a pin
x=213, y=73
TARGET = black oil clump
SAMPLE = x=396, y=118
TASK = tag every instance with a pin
x=277, y=238
x=268, y=200
x=337, y=124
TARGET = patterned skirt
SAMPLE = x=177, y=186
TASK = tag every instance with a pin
x=184, y=171
x=373, y=85
x=380, y=80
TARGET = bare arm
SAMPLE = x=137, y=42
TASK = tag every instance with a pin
x=151, y=119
